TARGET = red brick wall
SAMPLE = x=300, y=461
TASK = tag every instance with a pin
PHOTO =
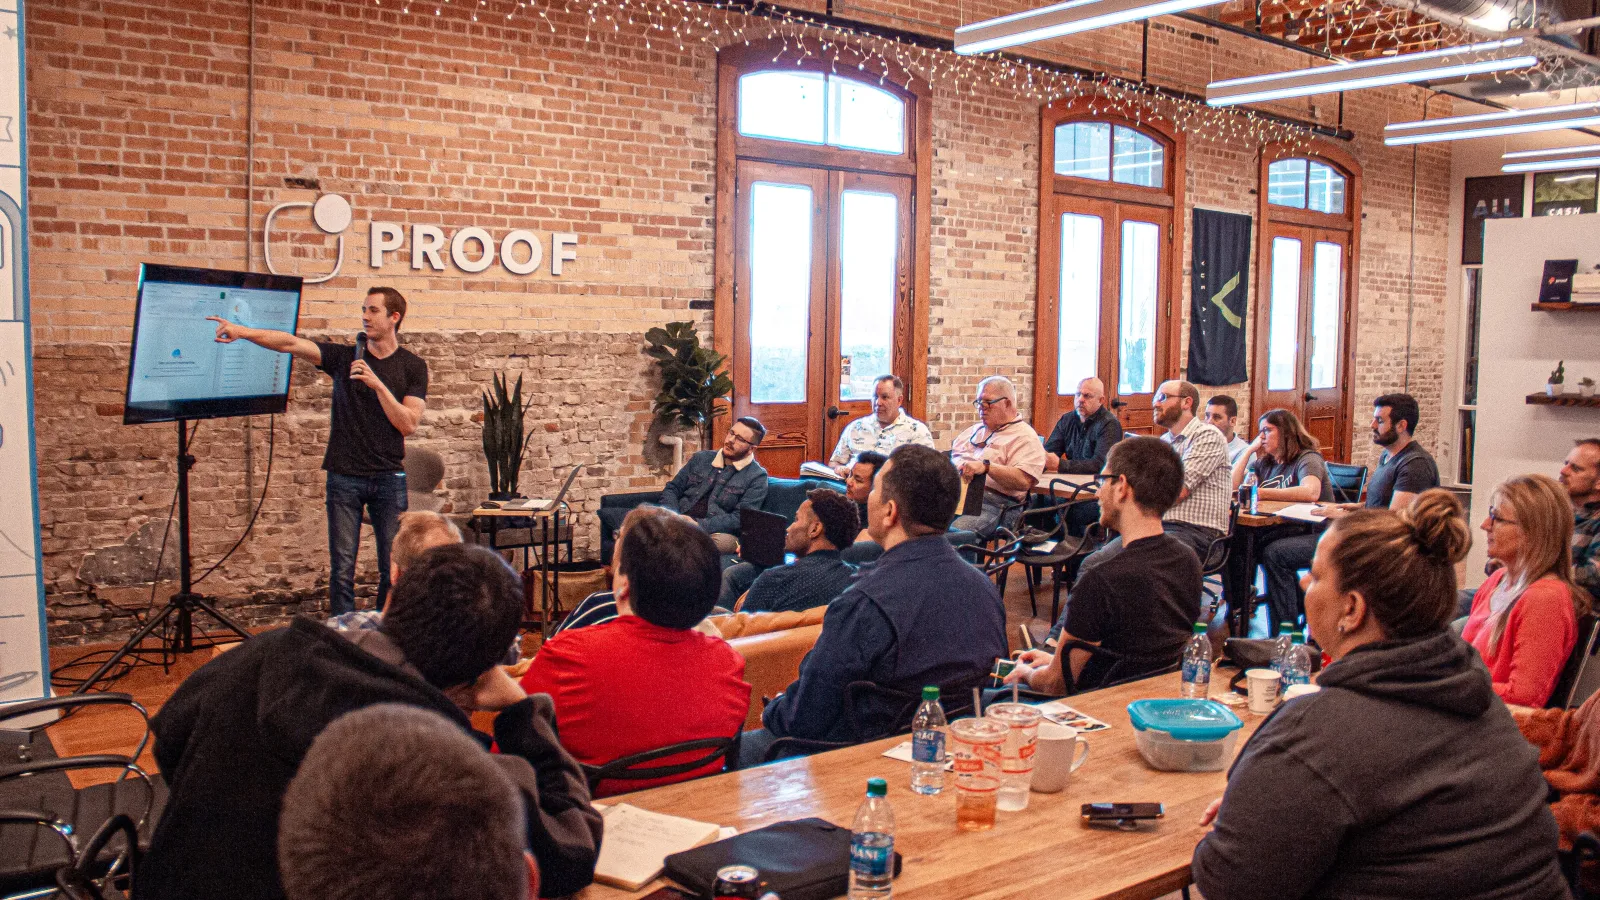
x=138, y=146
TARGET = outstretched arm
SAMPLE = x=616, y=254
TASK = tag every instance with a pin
x=280, y=341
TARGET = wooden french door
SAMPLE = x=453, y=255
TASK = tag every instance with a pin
x=1107, y=307
x=1303, y=346
x=822, y=301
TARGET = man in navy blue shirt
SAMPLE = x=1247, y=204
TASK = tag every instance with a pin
x=826, y=522
x=921, y=616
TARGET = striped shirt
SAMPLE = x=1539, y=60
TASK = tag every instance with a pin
x=1206, y=476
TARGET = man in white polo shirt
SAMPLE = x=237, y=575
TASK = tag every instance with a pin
x=887, y=428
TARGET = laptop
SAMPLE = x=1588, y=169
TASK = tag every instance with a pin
x=540, y=504
x=761, y=537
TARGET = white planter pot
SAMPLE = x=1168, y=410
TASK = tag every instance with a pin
x=1552, y=390
x=1585, y=390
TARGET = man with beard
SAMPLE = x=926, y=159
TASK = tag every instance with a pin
x=1580, y=475
x=1405, y=470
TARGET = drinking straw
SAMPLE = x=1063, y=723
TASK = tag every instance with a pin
x=977, y=703
x=1014, y=692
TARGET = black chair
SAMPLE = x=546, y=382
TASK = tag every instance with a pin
x=1123, y=667
x=41, y=800
x=1349, y=482
x=79, y=882
x=1216, y=560
x=995, y=561
x=957, y=701
x=638, y=766
x=1048, y=523
x=1585, y=852
x=1580, y=677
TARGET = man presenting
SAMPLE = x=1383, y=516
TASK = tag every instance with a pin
x=379, y=390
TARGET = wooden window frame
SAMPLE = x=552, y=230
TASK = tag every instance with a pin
x=1170, y=196
x=916, y=163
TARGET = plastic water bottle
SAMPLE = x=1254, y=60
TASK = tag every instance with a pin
x=928, y=731
x=1197, y=664
x=1248, y=491
x=1297, y=662
x=872, y=845
x=1280, y=647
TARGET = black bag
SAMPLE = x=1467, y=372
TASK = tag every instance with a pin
x=806, y=859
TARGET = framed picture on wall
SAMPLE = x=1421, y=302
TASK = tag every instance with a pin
x=1495, y=197
x=1568, y=193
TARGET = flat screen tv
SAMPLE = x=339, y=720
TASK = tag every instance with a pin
x=179, y=371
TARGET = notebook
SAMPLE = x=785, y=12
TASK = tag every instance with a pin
x=637, y=841
x=542, y=505
x=971, y=502
x=819, y=470
x=761, y=537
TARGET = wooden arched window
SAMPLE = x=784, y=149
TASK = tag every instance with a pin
x=1306, y=256
x=1110, y=254
x=822, y=227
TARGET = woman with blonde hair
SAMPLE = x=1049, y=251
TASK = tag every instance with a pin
x=1404, y=776
x=1524, y=619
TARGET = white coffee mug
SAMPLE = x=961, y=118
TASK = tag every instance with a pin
x=1263, y=689
x=1055, y=757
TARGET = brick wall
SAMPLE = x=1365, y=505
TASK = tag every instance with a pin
x=139, y=146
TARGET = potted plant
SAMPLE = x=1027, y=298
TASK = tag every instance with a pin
x=1553, y=386
x=503, y=441
x=694, y=379
x=1586, y=387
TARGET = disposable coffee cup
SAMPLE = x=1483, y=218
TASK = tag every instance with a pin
x=1263, y=689
x=1056, y=757
x=1299, y=690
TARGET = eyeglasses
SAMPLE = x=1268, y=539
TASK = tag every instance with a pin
x=1496, y=519
x=1105, y=478
x=735, y=436
x=980, y=405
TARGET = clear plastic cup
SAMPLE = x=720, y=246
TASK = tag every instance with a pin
x=1016, y=755
x=975, y=748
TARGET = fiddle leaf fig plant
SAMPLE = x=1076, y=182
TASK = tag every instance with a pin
x=694, y=379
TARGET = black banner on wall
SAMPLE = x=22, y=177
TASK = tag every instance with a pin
x=1219, y=287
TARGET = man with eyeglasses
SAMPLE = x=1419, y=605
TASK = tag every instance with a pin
x=1005, y=449
x=713, y=485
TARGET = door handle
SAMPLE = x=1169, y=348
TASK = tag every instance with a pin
x=1118, y=403
x=1310, y=396
x=835, y=412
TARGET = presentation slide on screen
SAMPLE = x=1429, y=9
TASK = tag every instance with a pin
x=176, y=354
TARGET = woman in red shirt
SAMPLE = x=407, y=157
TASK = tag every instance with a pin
x=1524, y=619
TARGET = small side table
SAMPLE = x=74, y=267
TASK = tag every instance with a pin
x=540, y=543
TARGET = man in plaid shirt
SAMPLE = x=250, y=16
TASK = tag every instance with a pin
x=1580, y=475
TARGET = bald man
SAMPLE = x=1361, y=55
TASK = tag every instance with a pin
x=1082, y=438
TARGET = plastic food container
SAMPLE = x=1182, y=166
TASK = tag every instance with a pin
x=1184, y=735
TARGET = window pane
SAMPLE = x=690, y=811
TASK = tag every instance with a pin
x=1326, y=189
x=1137, y=159
x=863, y=117
x=1286, y=183
x=869, y=227
x=1084, y=149
x=780, y=291
x=783, y=105
x=1078, y=353
x=1141, y=251
x=1327, y=299
x=1283, y=337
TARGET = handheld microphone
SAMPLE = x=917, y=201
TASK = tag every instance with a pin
x=361, y=345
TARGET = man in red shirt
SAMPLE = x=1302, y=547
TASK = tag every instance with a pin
x=647, y=679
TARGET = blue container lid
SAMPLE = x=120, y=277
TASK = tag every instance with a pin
x=1185, y=720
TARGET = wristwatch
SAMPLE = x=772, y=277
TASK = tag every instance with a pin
x=986, y=467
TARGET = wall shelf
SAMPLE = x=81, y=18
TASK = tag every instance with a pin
x=1563, y=400
x=1566, y=307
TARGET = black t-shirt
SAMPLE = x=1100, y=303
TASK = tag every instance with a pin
x=1142, y=602
x=1412, y=470
x=362, y=441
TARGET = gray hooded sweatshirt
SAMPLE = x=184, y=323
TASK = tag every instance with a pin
x=1405, y=777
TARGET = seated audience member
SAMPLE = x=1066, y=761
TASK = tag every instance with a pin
x=1143, y=602
x=1524, y=619
x=1006, y=450
x=1580, y=475
x=647, y=679
x=1404, y=776
x=436, y=817
x=1222, y=412
x=601, y=606
x=1079, y=443
x=1404, y=470
x=231, y=737
x=1287, y=467
x=1568, y=741
x=885, y=429
x=922, y=615
x=418, y=531
x=713, y=485
x=825, y=522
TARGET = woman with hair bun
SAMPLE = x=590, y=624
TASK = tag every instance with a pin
x=1404, y=777
x=1524, y=619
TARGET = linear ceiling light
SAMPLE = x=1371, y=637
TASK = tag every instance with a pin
x=1474, y=59
x=1551, y=159
x=1511, y=121
x=1061, y=19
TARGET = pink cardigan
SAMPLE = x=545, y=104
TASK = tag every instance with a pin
x=1538, y=638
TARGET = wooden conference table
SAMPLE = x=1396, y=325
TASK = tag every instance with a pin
x=1042, y=851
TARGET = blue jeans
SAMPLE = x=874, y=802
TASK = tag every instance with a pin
x=384, y=497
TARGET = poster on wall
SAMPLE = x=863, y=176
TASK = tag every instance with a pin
x=1496, y=197
x=23, y=672
x=1569, y=193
